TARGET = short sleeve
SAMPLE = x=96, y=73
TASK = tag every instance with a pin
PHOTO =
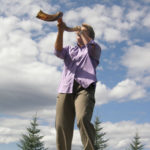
x=94, y=50
x=62, y=54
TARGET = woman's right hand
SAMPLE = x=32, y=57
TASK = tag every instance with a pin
x=61, y=26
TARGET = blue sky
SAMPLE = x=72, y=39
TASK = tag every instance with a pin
x=30, y=73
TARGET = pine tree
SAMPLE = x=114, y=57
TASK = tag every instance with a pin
x=32, y=140
x=136, y=144
x=100, y=142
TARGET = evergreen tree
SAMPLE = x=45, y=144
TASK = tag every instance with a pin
x=100, y=142
x=32, y=140
x=136, y=144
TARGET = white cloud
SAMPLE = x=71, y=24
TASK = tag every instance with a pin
x=103, y=47
x=7, y=25
x=117, y=11
x=146, y=20
x=101, y=20
x=147, y=1
x=72, y=18
x=112, y=24
x=134, y=15
x=146, y=81
x=136, y=59
x=28, y=66
x=112, y=35
x=120, y=134
x=11, y=128
x=124, y=91
x=29, y=73
x=29, y=7
x=28, y=25
x=44, y=115
x=102, y=95
x=31, y=88
x=138, y=14
x=27, y=76
x=127, y=88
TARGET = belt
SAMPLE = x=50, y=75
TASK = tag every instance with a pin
x=92, y=85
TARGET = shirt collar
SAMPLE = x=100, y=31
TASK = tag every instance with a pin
x=81, y=46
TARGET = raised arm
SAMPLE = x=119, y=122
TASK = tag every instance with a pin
x=84, y=34
x=59, y=40
x=85, y=37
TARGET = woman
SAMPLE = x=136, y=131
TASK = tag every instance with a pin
x=77, y=87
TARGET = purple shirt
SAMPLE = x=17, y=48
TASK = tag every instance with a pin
x=79, y=64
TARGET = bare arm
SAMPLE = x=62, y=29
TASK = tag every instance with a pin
x=85, y=38
x=84, y=34
x=59, y=39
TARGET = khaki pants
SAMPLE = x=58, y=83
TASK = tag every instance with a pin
x=80, y=104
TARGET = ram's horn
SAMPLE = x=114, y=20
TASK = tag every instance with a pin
x=54, y=17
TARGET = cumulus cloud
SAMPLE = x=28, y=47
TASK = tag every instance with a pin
x=29, y=7
x=26, y=73
x=30, y=73
x=146, y=20
x=147, y=1
x=113, y=23
x=11, y=130
x=125, y=90
x=120, y=134
x=102, y=95
x=135, y=15
x=27, y=60
x=146, y=81
x=101, y=21
x=136, y=60
x=112, y=35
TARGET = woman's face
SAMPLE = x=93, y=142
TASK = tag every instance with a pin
x=78, y=37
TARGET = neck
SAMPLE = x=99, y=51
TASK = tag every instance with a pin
x=80, y=44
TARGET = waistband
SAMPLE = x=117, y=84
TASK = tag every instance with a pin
x=78, y=87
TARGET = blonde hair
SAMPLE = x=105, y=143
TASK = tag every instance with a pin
x=90, y=30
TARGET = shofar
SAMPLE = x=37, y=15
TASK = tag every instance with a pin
x=55, y=17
